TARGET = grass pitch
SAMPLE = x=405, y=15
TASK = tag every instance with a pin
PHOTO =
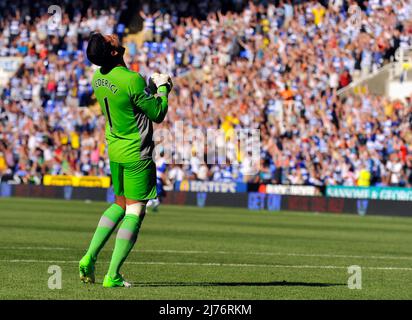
x=207, y=253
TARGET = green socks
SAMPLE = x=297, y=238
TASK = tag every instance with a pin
x=108, y=222
x=126, y=238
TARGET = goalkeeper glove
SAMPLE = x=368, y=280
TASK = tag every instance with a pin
x=158, y=80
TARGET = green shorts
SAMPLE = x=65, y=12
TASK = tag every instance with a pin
x=134, y=180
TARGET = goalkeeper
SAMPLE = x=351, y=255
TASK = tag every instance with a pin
x=129, y=108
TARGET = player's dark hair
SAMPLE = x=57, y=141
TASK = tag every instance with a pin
x=98, y=49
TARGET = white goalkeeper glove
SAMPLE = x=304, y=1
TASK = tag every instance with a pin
x=160, y=79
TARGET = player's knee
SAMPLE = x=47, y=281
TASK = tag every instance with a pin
x=137, y=209
x=120, y=201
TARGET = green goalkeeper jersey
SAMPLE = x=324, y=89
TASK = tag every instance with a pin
x=129, y=111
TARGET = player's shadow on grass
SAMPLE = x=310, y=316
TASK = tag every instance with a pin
x=237, y=284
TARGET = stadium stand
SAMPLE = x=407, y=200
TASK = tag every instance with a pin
x=275, y=66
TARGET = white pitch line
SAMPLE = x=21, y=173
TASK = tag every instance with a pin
x=319, y=255
x=37, y=248
x=210, y=264
x=281, y=254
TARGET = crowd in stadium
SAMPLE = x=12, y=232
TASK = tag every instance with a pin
x=274, y=67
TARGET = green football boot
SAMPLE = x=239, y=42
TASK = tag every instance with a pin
x=118, y=281
x=86, y=269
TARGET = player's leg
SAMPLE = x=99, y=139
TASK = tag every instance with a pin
x=160, y=194
x=125, y=240
x=140, y=186
x=155, y=203
x=107, y=224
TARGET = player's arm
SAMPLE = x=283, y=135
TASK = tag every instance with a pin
x=154, y=107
